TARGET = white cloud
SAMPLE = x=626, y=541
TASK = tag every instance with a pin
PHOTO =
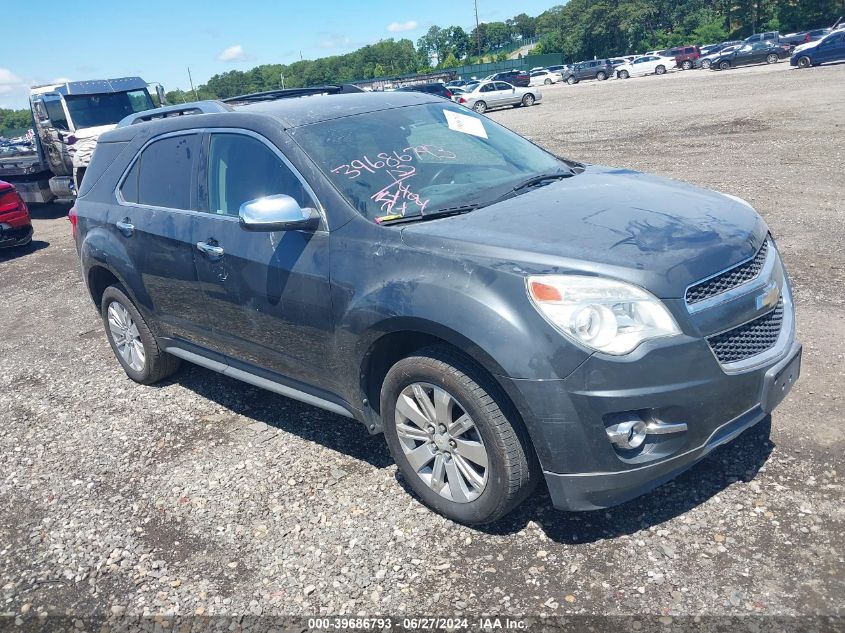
x=234, y=53
x=13, y=90
x=401, y=27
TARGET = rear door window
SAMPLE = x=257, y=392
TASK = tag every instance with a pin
x=162, y=174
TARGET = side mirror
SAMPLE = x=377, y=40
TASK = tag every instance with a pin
x=278, y=212
x=160, y=95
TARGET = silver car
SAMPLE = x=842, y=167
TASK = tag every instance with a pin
x=484, y=95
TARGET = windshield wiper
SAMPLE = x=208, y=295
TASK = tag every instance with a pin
x=432, y=215
x=528, y=183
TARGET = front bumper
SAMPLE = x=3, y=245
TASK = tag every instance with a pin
x=11, y=237
x=583, y=471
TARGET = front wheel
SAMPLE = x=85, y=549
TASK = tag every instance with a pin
x=601, y=76
x=571, y=80
x=624, y=74
x=480, y=107
x=772, y=58
x=131, y=340
x=804, y=62
x=528, y=100
x=724, y=65
x=686, y=65
x=454, y=437
x=705, y=64
x=660, y=70
x=547, y=82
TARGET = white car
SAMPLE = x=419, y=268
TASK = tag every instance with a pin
x=544, y=78
x=496, y=94
x=645, y=65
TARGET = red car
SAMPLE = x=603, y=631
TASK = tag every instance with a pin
x=685, y=56
x=15, y=225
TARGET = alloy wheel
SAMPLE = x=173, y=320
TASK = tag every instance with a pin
x=804, y=62
x=126, y=337
x=528, y=100
x=772, y=59
x=441, y=442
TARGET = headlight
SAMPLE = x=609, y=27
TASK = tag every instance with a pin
x=606, y=315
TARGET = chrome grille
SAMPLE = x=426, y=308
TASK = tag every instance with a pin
x=750, y=339
x=732, y=278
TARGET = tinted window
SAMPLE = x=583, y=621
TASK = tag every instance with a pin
x=56, y=113
x=242, y=168
x=164, y=179
x=129, y=189
x=502, y=86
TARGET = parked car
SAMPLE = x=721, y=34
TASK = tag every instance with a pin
x=829, y=49
x=794, y=39
x=599, y=69
x=518, y=78
x=646, y=65
x=441, y=90
x=426, y=271
x=558, y=68
x=706, y=60
x=768, y=36
x=544, y=78
x=15, y=223
x=684, y=56
x=496, y=94
x=457, y=83
x=759, y=53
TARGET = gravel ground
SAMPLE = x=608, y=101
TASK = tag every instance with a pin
x=205, y=495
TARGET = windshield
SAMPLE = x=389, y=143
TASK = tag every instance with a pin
x=105, y=109
x=421, y=159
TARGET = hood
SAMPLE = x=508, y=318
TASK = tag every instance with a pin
x=657, y=233
x=85, y=133
x=805, y=47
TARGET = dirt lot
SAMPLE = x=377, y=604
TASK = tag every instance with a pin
x=204, y=495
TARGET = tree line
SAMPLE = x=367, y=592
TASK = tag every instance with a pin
x=14, y=122
x=579, y=29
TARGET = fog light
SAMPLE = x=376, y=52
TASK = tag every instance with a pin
x=629, y=434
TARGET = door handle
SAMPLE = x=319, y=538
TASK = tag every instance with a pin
x=125, y=227
x=212, y=251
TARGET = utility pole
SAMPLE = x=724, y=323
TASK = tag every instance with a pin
x=477, y=32
x=190, y=79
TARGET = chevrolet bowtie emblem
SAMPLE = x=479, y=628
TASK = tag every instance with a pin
x=769, y=298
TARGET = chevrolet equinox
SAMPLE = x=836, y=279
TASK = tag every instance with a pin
x=499, y=313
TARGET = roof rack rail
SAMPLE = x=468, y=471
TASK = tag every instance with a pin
x=272, y=95
x=194, y=107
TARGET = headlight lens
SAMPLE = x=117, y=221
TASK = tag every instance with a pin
x=605, y=315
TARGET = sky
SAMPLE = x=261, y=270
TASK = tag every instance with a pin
x=159, y=39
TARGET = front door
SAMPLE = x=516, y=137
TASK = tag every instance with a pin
x=267, y=293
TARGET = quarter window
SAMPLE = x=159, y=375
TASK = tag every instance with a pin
x=242, y=168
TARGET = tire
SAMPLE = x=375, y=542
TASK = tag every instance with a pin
x=547, y=82
x=494, y=433
x=155, y=364
x=705, y=64
x=528, y=100
x=480, y=107
x=686, y=65
x=601, y=75
x=804, y=62
x=571, y=80
x=724, y=65
x=660, y=70
x=772, y=58
x=624, y=74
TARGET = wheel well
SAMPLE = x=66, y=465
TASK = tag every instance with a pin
x=99, y=279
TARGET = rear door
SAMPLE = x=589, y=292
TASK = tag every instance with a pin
x=153, y=222
x=266, y=293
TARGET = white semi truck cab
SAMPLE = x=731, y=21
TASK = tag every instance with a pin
x=68, y=119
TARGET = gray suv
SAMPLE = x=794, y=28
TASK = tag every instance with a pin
x=503, y=316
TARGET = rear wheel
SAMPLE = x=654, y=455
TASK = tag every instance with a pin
x=686, y=65
x=132, y=341
x=624, y=74
x=724, y=65
x=660, y=70
x=480, y=107
x=547, y=82
x=804, y=62
x=772, y=58
x=705, y=63
x=528, y=100
x=571, y=80
x=454, y=437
